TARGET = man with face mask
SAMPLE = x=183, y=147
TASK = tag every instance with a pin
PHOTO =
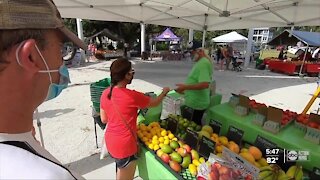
x=196, y=88
x=32, y=34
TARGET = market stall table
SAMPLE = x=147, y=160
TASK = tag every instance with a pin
x=150, y=168
x=283, y=67
x=289, y=138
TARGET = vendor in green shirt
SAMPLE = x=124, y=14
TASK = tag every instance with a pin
x=196, y=88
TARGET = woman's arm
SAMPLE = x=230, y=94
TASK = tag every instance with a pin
x=156, y=101
x=103, y=116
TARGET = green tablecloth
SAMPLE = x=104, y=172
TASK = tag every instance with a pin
x=151, y=168
x=289, y=138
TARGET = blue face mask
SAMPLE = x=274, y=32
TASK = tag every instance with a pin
x=54, y=89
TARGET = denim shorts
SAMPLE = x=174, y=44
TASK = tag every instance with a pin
x=124, y=162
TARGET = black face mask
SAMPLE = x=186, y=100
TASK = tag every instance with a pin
x=132, y=74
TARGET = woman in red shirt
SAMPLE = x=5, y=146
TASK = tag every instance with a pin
x=119, y=107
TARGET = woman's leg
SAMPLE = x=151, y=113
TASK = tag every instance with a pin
x=127, y=173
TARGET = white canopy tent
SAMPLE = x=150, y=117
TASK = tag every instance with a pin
x=197, y=14
x=230, y=37
x=205, y=15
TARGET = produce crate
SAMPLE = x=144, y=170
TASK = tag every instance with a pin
x=300, y=126
x=96, y=90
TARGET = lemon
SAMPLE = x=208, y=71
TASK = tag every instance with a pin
x=150, y=146
x=166, y=138
x=161, y=139
x=155, y=142
x=171, y=136
x=154, y=137
x=160, y=145
x=166, y=141
x=163, y=133
x=174, y=139
x=156, y=147
x=202, y=160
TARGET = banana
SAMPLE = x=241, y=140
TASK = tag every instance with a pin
x=291, y=172
x=265, y=168
x=266, y=175
x=282, y=175
x=299, y=173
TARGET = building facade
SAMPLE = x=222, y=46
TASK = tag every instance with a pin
x=261, y=35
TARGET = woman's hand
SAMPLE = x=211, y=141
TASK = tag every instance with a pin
x=165, y=90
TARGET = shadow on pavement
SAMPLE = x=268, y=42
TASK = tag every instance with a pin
x=89, y=164
x=53, y=113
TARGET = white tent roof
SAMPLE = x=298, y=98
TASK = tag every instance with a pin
x=198, y=14
x=230, y=37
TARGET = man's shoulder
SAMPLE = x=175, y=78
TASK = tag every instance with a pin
x=17, y=163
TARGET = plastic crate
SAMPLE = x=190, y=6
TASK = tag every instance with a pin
x=96, y=90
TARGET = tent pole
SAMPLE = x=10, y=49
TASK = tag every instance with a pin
x=304, y=59
x=190, y=35
x=249, y=47
x=80, y=36
x=204, y=38
x=143, y=36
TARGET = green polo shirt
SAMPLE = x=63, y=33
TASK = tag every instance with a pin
x=201, y=72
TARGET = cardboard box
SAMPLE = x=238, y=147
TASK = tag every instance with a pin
x=274, y=117
x=261, y=116
x=313, y=134
x=242, y=109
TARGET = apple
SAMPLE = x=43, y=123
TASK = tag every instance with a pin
x=187, y=147
x=165, y=158
x=313, y=125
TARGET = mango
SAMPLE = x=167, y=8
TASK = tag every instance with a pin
x=176, y=157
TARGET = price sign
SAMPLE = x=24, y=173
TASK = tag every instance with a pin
x=235, y=134
x=206, y=146
x=263, y=144
x=192, y=139
x=216, y=126
x=172, y=125
x=187, y=112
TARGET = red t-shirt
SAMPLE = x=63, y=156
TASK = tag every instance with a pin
x=119, y=140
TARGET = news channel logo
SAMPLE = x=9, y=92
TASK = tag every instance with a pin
x=293, y=155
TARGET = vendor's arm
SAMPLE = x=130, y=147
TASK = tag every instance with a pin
x=156, y=101
x=199, y=86
x=103, y=116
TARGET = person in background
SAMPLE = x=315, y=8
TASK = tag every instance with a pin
x=119, y=107
x=32, y=35
x=229, y=55
x=219, y=54
x=316, y=54
x=196, y=88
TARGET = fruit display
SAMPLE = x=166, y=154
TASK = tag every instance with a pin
x=183, y=125
x=274, y=172
x=180, y=156
x=173, y=152
x=287, y=117
x=153, y=136
x=253, y=105
x=304, y=119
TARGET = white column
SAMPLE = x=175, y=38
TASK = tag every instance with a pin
x=80, y=35
x=143, y=37
x=190, y=35
x=204, y=38
x=249, y=47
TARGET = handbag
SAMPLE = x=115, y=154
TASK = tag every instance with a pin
x=125, y=122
